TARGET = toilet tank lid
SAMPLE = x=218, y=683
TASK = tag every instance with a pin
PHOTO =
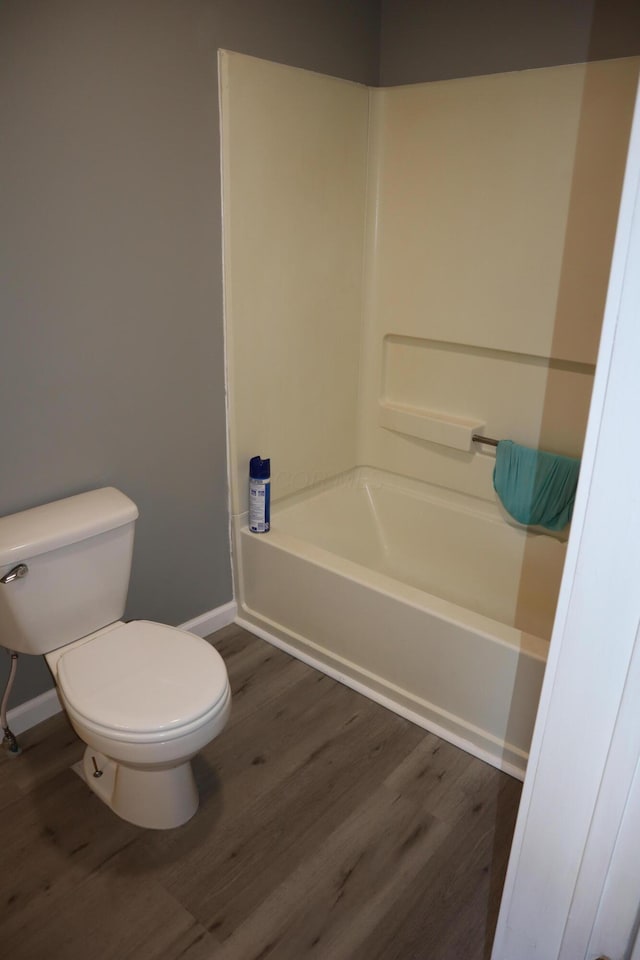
x=40, y=529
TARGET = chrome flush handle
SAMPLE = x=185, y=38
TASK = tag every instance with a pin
x=17, y=573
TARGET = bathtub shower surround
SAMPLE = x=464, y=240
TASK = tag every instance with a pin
x=405, y=268
x=410, y=592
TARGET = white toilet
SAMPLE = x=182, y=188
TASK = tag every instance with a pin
x=143, y=696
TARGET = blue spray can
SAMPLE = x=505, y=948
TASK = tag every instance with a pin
x=259, y=495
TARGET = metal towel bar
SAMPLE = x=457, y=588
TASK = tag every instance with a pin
x=488, y=440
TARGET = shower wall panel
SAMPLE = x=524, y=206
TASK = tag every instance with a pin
x=492, y=209
x=294, y=170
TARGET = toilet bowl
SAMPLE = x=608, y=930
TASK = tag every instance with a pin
x=144, y=697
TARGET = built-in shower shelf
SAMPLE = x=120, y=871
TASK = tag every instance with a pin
x=449, y=431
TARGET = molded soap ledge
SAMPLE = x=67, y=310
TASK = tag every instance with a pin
x=439, y=428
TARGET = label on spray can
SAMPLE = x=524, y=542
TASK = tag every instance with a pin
x=259, y=495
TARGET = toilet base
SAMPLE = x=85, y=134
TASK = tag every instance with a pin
x=158, y=798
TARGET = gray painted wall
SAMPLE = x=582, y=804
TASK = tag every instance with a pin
x=438, y=39
x=111, y=346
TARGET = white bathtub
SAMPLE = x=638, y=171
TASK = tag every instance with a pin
x=417, y=596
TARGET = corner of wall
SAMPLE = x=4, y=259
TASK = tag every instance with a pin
x=367, y=379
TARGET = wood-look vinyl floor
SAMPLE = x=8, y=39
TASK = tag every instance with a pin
x=328, y=828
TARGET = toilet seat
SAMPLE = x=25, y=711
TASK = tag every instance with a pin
x=143, y=682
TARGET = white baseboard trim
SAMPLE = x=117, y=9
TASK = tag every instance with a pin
x=31, y=712
x=28, y=714
x=212, y=620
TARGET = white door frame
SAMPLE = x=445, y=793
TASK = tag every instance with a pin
x=563, y=843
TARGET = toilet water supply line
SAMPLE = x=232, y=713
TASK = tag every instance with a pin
x=13, y=747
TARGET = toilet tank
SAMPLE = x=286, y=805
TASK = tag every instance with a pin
x=78, y=553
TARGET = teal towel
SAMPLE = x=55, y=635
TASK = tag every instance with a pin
x=535, y=487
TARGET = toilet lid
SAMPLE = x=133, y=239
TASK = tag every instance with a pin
x=143, y=677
